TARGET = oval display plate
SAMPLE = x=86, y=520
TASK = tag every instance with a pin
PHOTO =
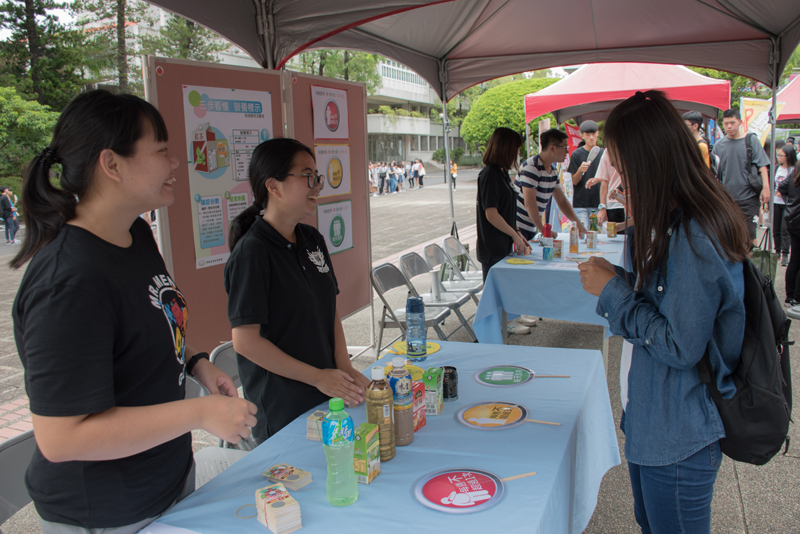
x=492, y=415
x=402, y=349
x=519, y=261
x=504, y=376
x=459, y=491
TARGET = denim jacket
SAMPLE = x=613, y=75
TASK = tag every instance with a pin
x=670, y=414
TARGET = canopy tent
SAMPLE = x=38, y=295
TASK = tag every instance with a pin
x=790, y=95
x=592, y=91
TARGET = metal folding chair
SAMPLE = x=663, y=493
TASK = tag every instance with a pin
x=453, y=249
x=386, y=277
x=434, y=257
x=15, y=456
x=224, y=357
x=412, y=265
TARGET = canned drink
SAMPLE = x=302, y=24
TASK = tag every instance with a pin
x=591, y=240
x=612, y=229
x=557, y=248
x=450, y=389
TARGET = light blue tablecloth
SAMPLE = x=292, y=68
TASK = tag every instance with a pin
x=549, y=289
x=570, y=460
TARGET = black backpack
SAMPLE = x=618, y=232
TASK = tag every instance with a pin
x=756, y=418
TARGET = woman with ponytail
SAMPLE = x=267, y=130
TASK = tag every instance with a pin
x=100, y=327
x=282, y=292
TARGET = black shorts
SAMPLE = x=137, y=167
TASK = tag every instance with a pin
x=616, y=215
x=751, y=208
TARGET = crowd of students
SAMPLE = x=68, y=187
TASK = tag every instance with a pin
x=390, y=178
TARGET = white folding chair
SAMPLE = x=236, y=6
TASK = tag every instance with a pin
x=412, y=265
x=15, y=456
x=210, y=461
x=453, y=249
x=434, y=257
x=386, y=277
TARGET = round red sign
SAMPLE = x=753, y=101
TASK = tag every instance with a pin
x=332, y=116
x=459, y=491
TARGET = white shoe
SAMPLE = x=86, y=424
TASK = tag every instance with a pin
x=515, y=328
x=527, y=320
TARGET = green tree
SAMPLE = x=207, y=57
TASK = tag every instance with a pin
x=342, y=64
x=183, y=39
x=502, y=105
x=42, y=59
x=25, y=128
x=105, y=25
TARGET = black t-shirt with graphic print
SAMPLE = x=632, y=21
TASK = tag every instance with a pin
x=289, y=289
x=99, y=326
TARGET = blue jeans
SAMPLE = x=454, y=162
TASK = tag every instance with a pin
x=676, y=498
x=11, y=229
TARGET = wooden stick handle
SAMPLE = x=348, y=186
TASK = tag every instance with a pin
x=518, y=476
x=542, y=422
x=553, y=376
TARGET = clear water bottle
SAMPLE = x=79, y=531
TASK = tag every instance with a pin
x=338, y=438
x=416, y=342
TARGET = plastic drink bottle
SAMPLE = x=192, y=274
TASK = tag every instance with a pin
x=338, y=441
x=380, y=411
x=400, y=381
x=416, y=342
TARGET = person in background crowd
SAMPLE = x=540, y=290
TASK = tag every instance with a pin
x=100, y=328
x=415, y=172
x=409, y=175
x=780, y=232
x=453, y=173
x=421, y=180
x=392, y=178
x=401, y=177
x=585, y=197
x=281, y=288
x=734, y=174
x=694, y=121
x=690, y=233
x=790, y=141
x=383, y=175
x=496, y=206
x=789, y=191
x=7, y=208
x=371, y=179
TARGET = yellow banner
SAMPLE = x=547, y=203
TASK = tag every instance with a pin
x=755, y=116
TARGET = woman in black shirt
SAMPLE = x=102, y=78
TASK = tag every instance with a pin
x=100, y=327
x=497, y=201
x=282, y=292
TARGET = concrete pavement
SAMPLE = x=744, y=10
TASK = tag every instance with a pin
x=747, y=500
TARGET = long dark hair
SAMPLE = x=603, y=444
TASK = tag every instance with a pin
x=271, y=159
x=662, y=167
x=92, y=122
x=502, y=148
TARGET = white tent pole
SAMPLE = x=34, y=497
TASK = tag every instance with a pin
x=446, y=129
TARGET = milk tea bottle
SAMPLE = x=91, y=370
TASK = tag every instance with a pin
x=400, y=381
x=380, y=411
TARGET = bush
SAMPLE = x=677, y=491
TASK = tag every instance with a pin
x=438, y=156
x=456, y=155
x=471, y=160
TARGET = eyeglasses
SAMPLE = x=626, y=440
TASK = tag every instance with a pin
x=313, y=178
x=565, y=147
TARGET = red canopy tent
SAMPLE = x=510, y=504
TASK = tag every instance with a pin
x=791, y=96
x=594, y=90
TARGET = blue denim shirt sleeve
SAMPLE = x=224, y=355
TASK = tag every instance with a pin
x=671, y=324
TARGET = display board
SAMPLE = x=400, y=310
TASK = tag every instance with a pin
x=216, y=115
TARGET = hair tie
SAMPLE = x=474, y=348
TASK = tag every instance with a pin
x=48, y=154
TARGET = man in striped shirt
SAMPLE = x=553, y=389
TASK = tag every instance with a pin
x=537, y=181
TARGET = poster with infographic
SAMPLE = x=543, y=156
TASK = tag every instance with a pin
x=334, y=162
x=329, y=108
x=335, y=223
x=223, y=127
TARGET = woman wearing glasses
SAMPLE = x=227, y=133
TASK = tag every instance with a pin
x=282, y=292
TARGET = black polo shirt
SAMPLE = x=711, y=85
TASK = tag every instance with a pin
x=495, y=190
x=583, y=197
x=289, y=289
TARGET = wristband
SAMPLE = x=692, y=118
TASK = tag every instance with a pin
x=601, y=207
x=193, y=361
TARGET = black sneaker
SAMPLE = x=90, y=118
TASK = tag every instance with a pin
x=784, y=260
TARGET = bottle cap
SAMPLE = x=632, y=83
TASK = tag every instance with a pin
x=336, y=404
x=378, y=373
x=415, y=305
x=398, y=361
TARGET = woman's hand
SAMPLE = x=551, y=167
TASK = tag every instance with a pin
x=214, y=379
x=337, y=383
x=228, y=419
x=523, y=247
x=595, y=274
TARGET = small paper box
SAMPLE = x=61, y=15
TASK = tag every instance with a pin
x=434, y=392
x=419, y=405
x=367, y=455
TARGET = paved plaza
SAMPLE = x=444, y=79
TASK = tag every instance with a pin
x=747, y=499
